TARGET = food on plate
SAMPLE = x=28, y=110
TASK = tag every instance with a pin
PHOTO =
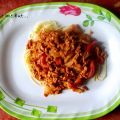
x=62, y=58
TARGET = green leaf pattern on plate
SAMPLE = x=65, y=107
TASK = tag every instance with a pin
x=92, y=23
x=36, y=113
x=85, y=23
x=1, y=96
x=89, y=17
x=19, y=101
x=52, y=109
x=89, y=21
x=101, y=16
x=97, y=11
x=108, y=16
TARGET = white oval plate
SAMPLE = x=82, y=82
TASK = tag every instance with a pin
x=22, y=98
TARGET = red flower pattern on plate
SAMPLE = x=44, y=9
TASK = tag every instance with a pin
x=70, y=10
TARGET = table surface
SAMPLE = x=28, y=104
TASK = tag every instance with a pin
x=112, y=5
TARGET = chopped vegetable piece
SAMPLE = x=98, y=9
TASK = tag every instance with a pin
x=58, y=61
x=92, y=69
x=43, y=60
x=91, y=45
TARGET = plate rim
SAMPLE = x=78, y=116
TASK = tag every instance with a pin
x=109, y=109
